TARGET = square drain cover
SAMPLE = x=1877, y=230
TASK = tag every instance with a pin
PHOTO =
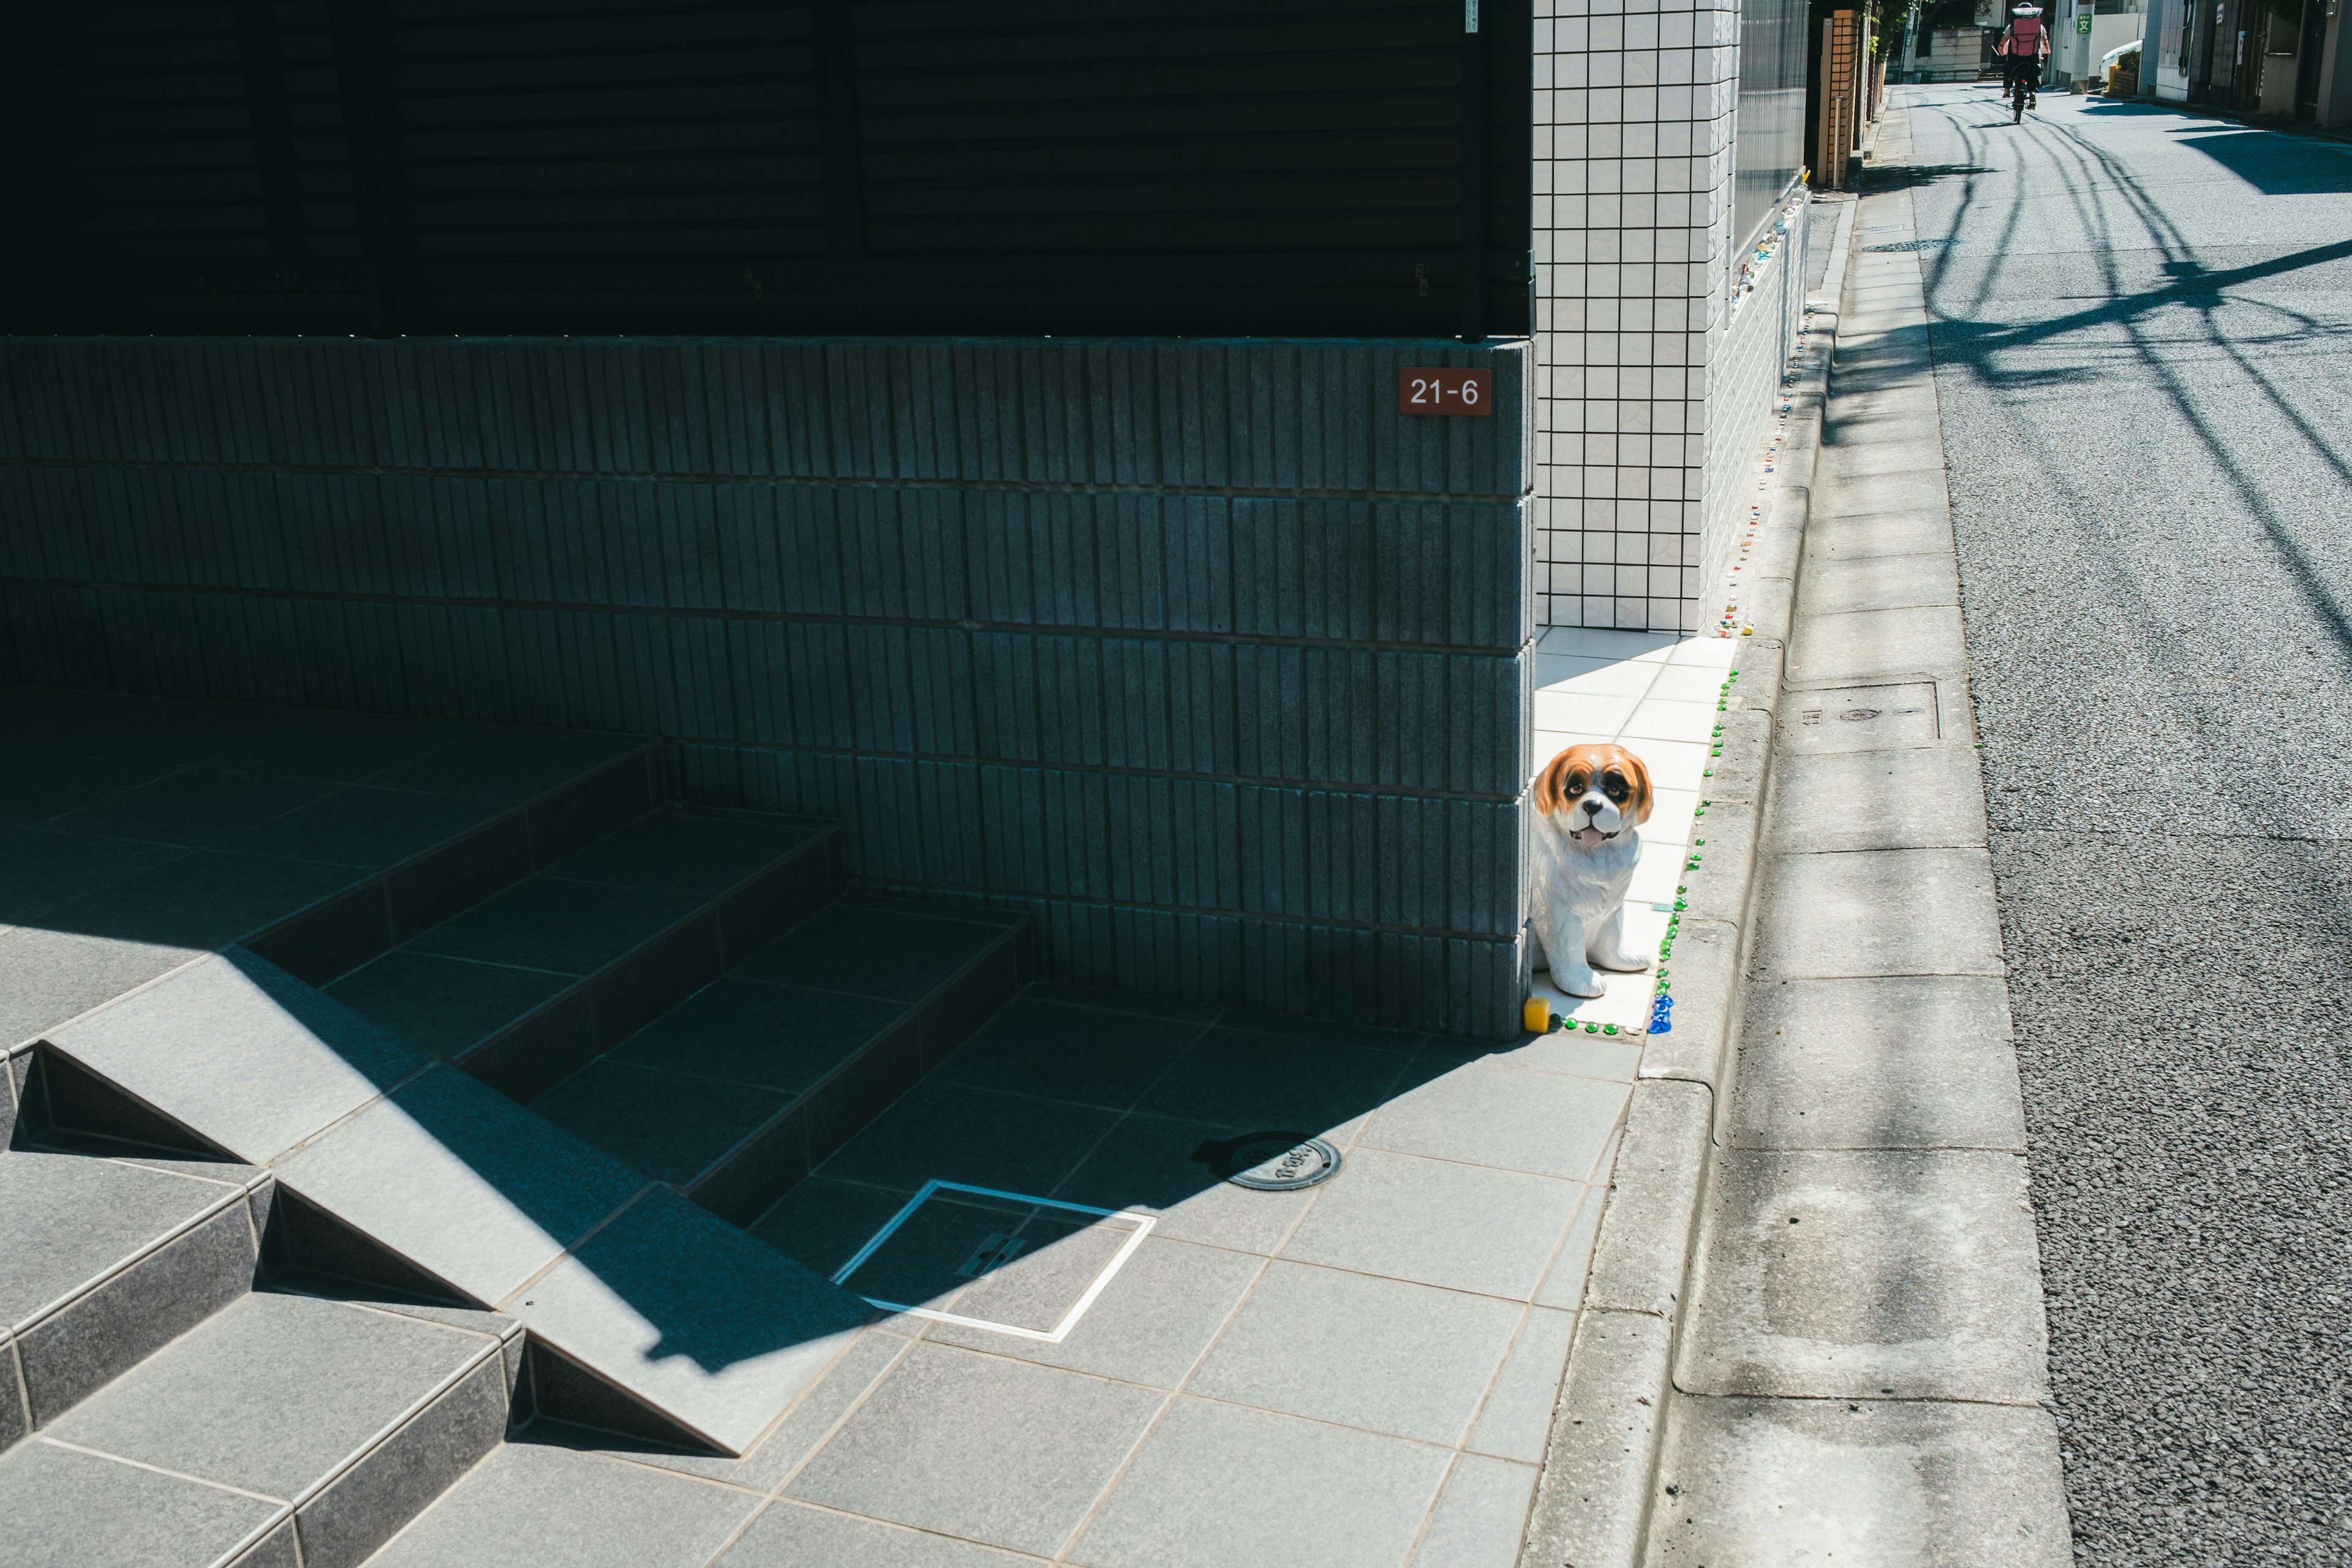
x=1008, y=1262
x=1860, y=718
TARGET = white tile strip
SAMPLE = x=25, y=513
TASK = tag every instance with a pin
x=1654, y=694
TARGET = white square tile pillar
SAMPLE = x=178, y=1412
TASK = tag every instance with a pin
x=1633, y=125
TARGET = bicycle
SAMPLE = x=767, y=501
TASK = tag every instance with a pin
x=2020, y=49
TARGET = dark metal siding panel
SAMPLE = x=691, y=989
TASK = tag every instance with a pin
x=128, y=136
x=620, y=165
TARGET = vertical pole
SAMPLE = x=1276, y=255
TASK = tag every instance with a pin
x=1866, y=38
x=1841, y=94
x=1534, y=310
x=1474, y=175
x=354, y=82
x=1861, y=79
x=1824, y=132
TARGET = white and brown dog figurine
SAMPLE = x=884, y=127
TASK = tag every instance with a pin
x=1589, y=803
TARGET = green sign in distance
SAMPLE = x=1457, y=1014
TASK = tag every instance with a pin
x=2081, y=24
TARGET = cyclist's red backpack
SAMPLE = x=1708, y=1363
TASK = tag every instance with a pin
x=2025, y=35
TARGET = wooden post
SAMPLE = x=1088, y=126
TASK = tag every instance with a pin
x=1823, y=139
x=1866, y=72
x=1841, y=54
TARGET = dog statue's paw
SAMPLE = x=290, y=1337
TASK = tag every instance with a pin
x=1584, y=983
x=1621, y=962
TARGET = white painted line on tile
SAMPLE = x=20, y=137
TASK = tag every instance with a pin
x=1142, y=1223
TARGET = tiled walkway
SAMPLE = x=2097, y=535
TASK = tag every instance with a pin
x=1363, y=1373
x=1654, y=694
x=1314, y=1377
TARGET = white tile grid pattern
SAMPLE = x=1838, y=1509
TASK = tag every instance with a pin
x=1653, y=693
x=1651, y=394
x=1632, y=201
x=1657, y=694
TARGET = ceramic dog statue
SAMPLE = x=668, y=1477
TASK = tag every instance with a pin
x=1590, y=801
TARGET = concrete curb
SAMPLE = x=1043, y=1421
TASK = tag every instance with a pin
x=1599, y=1471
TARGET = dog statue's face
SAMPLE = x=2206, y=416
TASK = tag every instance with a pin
x=1604, y=790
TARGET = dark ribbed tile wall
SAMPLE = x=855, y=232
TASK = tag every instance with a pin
x=1198, y=651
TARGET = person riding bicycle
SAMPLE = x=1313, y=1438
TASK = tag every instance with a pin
x=2024, y=44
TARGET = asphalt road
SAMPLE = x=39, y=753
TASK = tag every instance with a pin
x=2142, y=324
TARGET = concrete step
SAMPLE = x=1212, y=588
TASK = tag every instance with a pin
x=526, y=986
x=511, y=901
x=544, y=1505
x=286, y=1429
x=558, y=793
x=105, y=1260
x=737, y=1094
x=139, y=833
x=665, y=1313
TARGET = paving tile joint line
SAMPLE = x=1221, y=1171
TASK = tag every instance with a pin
x=392, y=1428
x=236, y=1197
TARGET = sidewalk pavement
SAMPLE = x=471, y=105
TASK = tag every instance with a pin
x=1812, y=1327
x=1600, y=1466
x=1862, y=1373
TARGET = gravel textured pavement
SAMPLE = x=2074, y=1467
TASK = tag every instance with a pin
x=1820, y=239
x=2142, y=325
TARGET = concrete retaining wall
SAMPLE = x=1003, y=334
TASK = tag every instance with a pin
x=1199, y=651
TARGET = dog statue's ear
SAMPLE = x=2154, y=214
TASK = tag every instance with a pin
x=1637, y=773
x=1550, y=783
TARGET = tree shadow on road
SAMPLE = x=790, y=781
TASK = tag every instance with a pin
x=1976, y=337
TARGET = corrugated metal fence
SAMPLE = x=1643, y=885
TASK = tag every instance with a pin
x=600, y=166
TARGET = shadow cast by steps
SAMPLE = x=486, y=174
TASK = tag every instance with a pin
x=420, y=1180
x=147, y=842
x=402, y=1170
x=651, y=1312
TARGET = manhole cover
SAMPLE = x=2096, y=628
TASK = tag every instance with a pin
x=1272, y=1162
x=1860, y=718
